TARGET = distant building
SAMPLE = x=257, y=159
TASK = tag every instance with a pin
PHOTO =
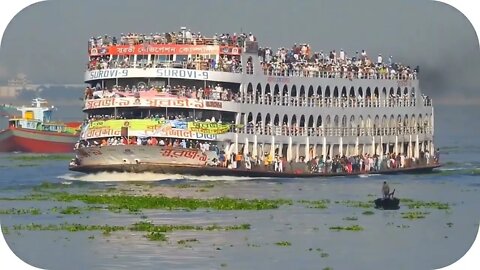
x=15, y=85
x=20, y=84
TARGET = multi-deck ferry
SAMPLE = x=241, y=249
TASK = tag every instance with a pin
x=180, y=102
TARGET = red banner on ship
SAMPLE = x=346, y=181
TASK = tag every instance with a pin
x=164, y=49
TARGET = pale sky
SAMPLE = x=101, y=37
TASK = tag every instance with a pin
x=48, y=41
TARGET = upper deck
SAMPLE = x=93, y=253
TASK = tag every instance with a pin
x=205, y=58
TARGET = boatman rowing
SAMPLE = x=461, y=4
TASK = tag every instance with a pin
x=385, y=190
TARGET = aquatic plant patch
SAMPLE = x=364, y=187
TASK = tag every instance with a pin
x=185, y=241
x=283, y=243
x=135, y=203
x=347, y=228
x=414, y=215
x=41, y=157
x=320, y=204
x=357, y=204
x=16, y=211
x=416, y=204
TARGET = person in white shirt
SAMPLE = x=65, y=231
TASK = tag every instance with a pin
x=379, y=60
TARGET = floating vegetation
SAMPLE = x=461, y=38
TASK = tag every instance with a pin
x=74, y=227
x=350, y=218
x=184, y=241
x=327, y=268
x=348, y=228
x=320, y=204
x=27, y=165
x=184, y=186
x=358, y=204
x=49, y=185
x=135, y=203
x=41, y=157
x=70, y=210
x=414, y=215
x=156, y=236
x=5, y=230
x=368, y=213
x=15, y=211
x=403, y=226
x=148, y=226
x=449, y=224
x=324, y=255
x=283, y=244
x=154, y=232
x=414, y=204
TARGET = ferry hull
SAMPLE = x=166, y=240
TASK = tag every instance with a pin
x=220, y=171
x=158, y=159
x=33, y=141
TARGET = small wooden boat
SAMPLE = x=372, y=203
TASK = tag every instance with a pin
x=387, y=203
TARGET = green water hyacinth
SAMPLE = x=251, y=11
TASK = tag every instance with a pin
x=135, y=203
x=15, y=211
x=283, y=243
x=414, y=215
x=348, y=228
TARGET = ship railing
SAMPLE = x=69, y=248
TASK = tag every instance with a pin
x=312, y=73
x=334, y=131
x=162, y=40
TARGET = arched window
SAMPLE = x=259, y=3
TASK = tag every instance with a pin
x=319, y=121
x=319, y=91
x=352, y=92
x=327, y=91
x=276, y=120
x=311, y=93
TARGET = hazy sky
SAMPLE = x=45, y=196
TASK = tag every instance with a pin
x=47, y=41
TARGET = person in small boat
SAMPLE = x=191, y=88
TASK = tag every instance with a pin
x=385, y=190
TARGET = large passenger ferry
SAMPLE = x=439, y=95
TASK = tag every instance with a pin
x=181, y=102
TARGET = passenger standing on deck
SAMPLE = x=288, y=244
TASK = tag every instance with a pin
x=385, y=190
x=436, y=156
x=248, y=164
x=427, y=157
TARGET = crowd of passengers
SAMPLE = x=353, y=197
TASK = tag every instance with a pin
x=300, y=62
x=338, y=164
x=220, y=93
x=153, y=141
x=226, y=63
x=189, y=37
x=297, y=61
x=153, y=116
x=209, y=93
x=319, y=164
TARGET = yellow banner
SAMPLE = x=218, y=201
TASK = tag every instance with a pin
x=134, y=124
x=208, y=128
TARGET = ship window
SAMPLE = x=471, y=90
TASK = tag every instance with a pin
x=182, y=58
x=142, y=60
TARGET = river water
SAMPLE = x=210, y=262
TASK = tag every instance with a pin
x=387, y=239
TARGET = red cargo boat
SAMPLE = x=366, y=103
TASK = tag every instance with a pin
x=34, y=132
